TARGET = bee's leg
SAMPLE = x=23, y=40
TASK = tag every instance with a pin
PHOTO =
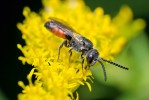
x=82, y=60
x=87, y=67
x=70, y=53
x=82, y=64
x=63, y=43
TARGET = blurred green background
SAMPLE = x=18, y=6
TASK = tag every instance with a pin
x=121, y=84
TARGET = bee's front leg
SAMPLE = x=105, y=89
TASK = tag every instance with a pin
x=82, y=58
x=70, y=53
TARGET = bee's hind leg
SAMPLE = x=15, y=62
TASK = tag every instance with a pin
x=64, y=43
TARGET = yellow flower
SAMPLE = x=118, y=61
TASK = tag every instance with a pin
x=57, y=80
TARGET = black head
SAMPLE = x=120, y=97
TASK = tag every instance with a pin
x=92, y=56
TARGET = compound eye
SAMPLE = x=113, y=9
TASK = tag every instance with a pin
x=91, y=61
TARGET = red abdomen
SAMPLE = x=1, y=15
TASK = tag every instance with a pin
x=57, y=31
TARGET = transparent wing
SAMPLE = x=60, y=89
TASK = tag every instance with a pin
x=67, y=30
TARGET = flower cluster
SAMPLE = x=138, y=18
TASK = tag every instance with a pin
x=57, y=80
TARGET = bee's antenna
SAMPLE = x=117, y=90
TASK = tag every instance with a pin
x=113, y=63
x=104, y=70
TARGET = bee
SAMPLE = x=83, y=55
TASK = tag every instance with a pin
x=77, y=42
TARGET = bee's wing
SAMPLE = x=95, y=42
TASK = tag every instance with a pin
x=68, y=30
